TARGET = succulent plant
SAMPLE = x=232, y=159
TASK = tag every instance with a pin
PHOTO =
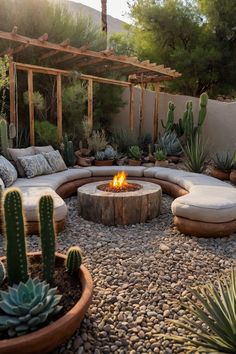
x=110, y=153
x=68, y=151
x=213, y=327
x=223, y=161
x=47, y=236
x=170, y=144
x=160, y=155
x=73, y=259
x=15, y=235
x=100, y=155
x=3, y=273
x=26, y=306
x=135, y=152
x=170, y=118
x=196, y=153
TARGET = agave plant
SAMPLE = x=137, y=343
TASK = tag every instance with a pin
x=26, y=306
x=110, y=153
x=223, y=161
x=217, y=313
x=196, y=154
x=170, y=143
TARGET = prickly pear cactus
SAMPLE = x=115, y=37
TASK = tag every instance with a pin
x=15, y=235
x=47, y=235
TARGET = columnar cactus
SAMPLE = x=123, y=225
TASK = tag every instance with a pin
x=170, y=118
x=68, y=151
x=7, y=134
x=202, y=109
x=15, y=235
x=2, y=273
x=47, y=235
x=73, y=259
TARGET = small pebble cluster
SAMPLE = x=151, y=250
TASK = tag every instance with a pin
x=141, y=273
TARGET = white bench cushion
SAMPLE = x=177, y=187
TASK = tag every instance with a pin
x=54, y=180
x=132, y=171
x=214, y=204
x=30, y=200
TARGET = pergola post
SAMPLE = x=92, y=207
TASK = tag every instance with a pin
x=12, y=90
x=31, y=106
x=90, y=103
x=131, y=107
x=141, y=117
x=156, y=114
x=59, y=107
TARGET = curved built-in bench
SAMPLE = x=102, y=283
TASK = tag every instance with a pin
x=204, y=206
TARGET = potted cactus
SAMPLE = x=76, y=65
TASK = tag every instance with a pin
x=135, y=155
x=29, y=302
x=106, y=157
x=161, y=158
x=222, y=164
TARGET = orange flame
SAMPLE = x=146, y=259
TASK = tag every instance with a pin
x=119, y=181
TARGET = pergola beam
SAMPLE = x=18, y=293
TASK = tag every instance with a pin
x=51, y=71
x=52, y=47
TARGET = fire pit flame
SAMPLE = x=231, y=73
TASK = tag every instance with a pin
x=119, y=181
x=119, y=184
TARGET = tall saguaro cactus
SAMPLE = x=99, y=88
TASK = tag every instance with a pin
x=15, y=235
x=47, y=234
x=7, y=134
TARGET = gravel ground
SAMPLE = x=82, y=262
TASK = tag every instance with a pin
x=140, y=275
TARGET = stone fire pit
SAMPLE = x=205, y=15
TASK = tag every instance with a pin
x=119, y=208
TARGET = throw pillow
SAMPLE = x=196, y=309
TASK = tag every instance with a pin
x=15, y=153
x=42, y=149
x=8, y=172
x=35, y=165
x=55, y=160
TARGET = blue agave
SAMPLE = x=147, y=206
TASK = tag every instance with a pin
x=27, y=306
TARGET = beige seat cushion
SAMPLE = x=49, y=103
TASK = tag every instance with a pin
x=214, y=204
x=132, y=171
x=54, y=180
x=30, y=199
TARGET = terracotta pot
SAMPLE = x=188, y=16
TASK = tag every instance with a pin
x=48, y=338
x=103, y=162
x=163, y=163
x=232, y=176
x=134, y=162
x=220, y=174
x=174, y=159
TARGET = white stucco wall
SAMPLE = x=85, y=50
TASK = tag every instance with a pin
x=219, y=126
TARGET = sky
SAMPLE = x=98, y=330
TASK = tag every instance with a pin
x=115, y=8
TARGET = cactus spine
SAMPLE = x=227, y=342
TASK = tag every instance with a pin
x=15, y=234
x=2, y=273
x=47, y=234
x=73, y=260
x=68, y=151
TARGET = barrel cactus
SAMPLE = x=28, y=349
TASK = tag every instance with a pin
x=26, y=306
x=2, y=273
x=73, y=260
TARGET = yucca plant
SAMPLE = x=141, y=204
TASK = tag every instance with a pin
x=215, y=309
x=196, y=154
x=223, y=161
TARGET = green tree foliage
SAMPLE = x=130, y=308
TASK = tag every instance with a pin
x=185, y=35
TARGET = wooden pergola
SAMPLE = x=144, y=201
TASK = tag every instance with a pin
x=61, y=59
